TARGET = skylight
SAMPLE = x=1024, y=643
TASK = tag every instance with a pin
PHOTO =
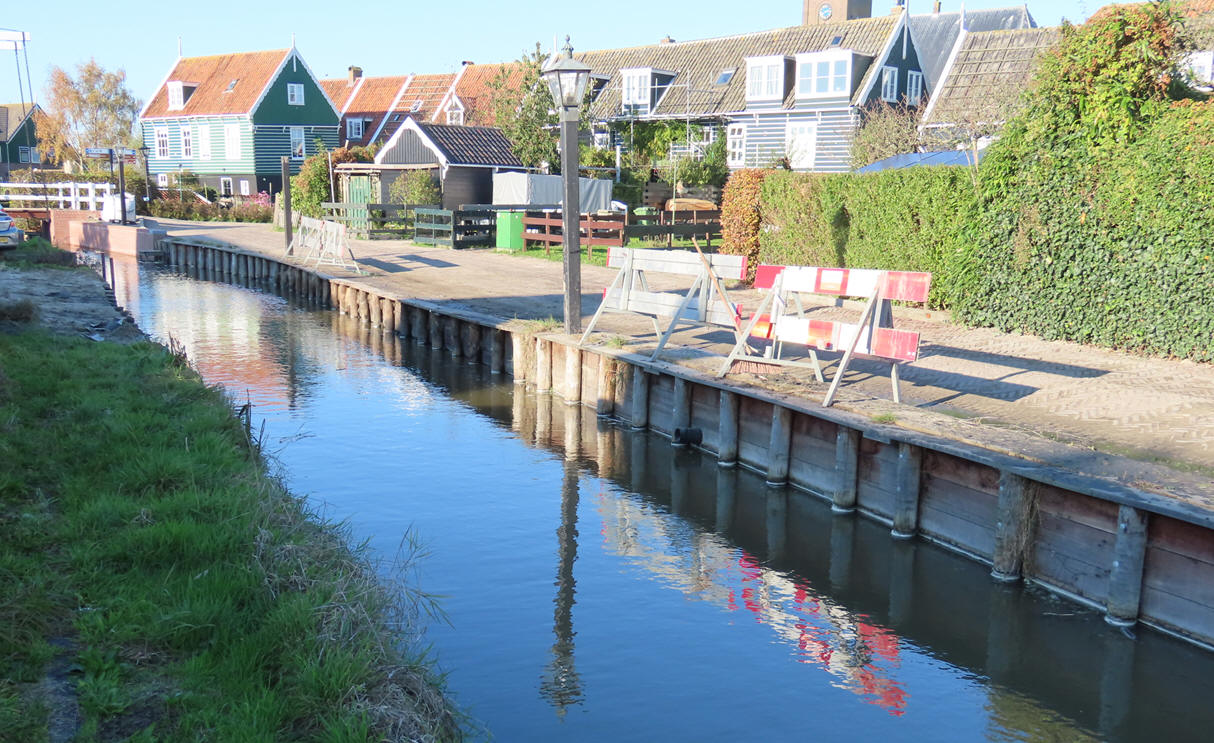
x=725, y=76
x=231, y=85
x=417, y=106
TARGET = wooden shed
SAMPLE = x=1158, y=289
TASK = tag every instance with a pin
x=465, y=158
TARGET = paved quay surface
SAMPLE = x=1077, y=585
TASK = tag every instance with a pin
x=1139, y=421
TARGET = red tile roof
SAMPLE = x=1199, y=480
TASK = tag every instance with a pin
x=213, y=75
x=339, y=90
x=419, y=100
x=372, y=101
x=474, y=89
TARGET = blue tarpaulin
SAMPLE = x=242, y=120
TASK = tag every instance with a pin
x=915, y=159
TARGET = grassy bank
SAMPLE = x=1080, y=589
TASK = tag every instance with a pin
x=152, y=574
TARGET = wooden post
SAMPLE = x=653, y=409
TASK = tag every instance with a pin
x=518, y=356
x=543, y=365
x=472, y=342
x=374, y=311
x=451, y=337
x=1125, y=577
x=573, y=375
x=286, y=202
x=640, y=398
x=605, y=403
x=435, y=330
x=1012, y=524
x=681, y=415
x=418, y=327
x=847, y=460
x=400, y=322
x=727, y=434
x=906, y=496
x=497, y=351
x=779, y=444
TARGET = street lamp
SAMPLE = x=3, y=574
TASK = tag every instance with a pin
x=567, y=80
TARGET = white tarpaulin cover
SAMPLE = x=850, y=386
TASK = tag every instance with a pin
x=527, y=188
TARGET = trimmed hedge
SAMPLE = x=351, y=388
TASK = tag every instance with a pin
x=740, y=218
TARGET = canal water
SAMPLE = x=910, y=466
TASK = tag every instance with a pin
x=600, y=585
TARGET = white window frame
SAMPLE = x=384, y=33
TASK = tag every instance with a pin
x=176, y=95
x=354, y=127
x=225, y=186
x=836, y=81
x=295, y=94
x=23, y=154
x=187, y=142
x=204, y=142
x=161, y=137
x=244, y=186
x=914, y=87
x=455, y=116
x=735, y=146
x=231, y=142
x=636, y=86
x=765, y=78
x=801, y=144
x=162, y=180
x=889, y=84
x=299, y=147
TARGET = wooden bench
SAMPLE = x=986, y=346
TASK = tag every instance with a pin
x=705, y=303
x=781, y=319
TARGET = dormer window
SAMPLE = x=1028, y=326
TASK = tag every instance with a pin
x=765, y=78
x=295, y=94
x=179, y=93
x=823, y=74
x=597, y=83
x=642, y=88
x=455, y=117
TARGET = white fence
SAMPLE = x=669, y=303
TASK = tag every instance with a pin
x=63, y=195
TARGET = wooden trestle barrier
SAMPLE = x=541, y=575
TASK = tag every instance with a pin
x=781, y=319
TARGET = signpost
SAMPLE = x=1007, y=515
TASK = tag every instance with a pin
x=124, y=157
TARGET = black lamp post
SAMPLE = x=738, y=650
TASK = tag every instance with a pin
x=567, y=79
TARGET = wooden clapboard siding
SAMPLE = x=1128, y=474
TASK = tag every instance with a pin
x=1073, y=544
x=270, y=143
x=958, y=502
x=1178, y=581
x=218, y=163
x=766, y=135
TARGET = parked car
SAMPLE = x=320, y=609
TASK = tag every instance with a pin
x=10, y=236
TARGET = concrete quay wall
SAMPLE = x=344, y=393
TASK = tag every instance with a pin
x=1137, y=555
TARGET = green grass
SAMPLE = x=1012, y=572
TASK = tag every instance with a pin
x=885, y=418
x=202, y=600
x=37, y=251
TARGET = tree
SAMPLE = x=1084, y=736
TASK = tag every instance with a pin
x=312, y=186
x=885, y=131
x=525, y=113
x=94, y=109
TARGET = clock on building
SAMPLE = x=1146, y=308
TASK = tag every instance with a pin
x=825, y=11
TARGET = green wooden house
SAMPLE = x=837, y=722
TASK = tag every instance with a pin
x=229, y=119
x=18, y=138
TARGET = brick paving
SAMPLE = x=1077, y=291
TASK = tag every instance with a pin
x=1144, y=421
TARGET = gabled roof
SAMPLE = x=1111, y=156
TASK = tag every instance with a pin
x=213, y=76
x=474, y=92
x=12, y=116
x=698, y=64
x=476, y=146
x=936, y=33
x=372, y=101
x=986, y=75
x=340, y=90
x=420, y=100
x=471, y=145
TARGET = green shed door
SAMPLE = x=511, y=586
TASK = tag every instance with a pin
x=358, y=192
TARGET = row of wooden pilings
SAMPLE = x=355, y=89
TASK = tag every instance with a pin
x=1020, y=518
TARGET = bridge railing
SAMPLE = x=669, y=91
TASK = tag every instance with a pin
x=60, y=195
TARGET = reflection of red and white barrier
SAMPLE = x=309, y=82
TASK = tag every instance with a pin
x=825, y=634
x=705, y=303
x=781, y=319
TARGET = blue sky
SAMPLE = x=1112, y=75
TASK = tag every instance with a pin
x=385, y=38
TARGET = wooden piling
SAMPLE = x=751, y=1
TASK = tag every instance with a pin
x=640, y=398
x=681, y=414
x=471, y=339
x=847, y=460
x=906, y=494
x=435, y=330
x=573, y=375
x=1012, y=526
x=518, y=355
x=497, y=351
x=1125, y=578
x=543, y=365
x=400, y=324
x=727, y=431
x=778, y=445
x=604, y=404
x=374, y=311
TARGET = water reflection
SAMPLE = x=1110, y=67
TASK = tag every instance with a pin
x=789, y=602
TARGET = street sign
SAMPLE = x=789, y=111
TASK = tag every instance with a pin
x=98, y=152
x=124, y=152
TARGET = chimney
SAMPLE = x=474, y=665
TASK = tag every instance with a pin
x=936, y=8
x=667, y=40
x=467, y=63
x=899, y=6
x=354, y=74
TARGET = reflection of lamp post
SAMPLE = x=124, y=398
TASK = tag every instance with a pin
x=567, y=80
